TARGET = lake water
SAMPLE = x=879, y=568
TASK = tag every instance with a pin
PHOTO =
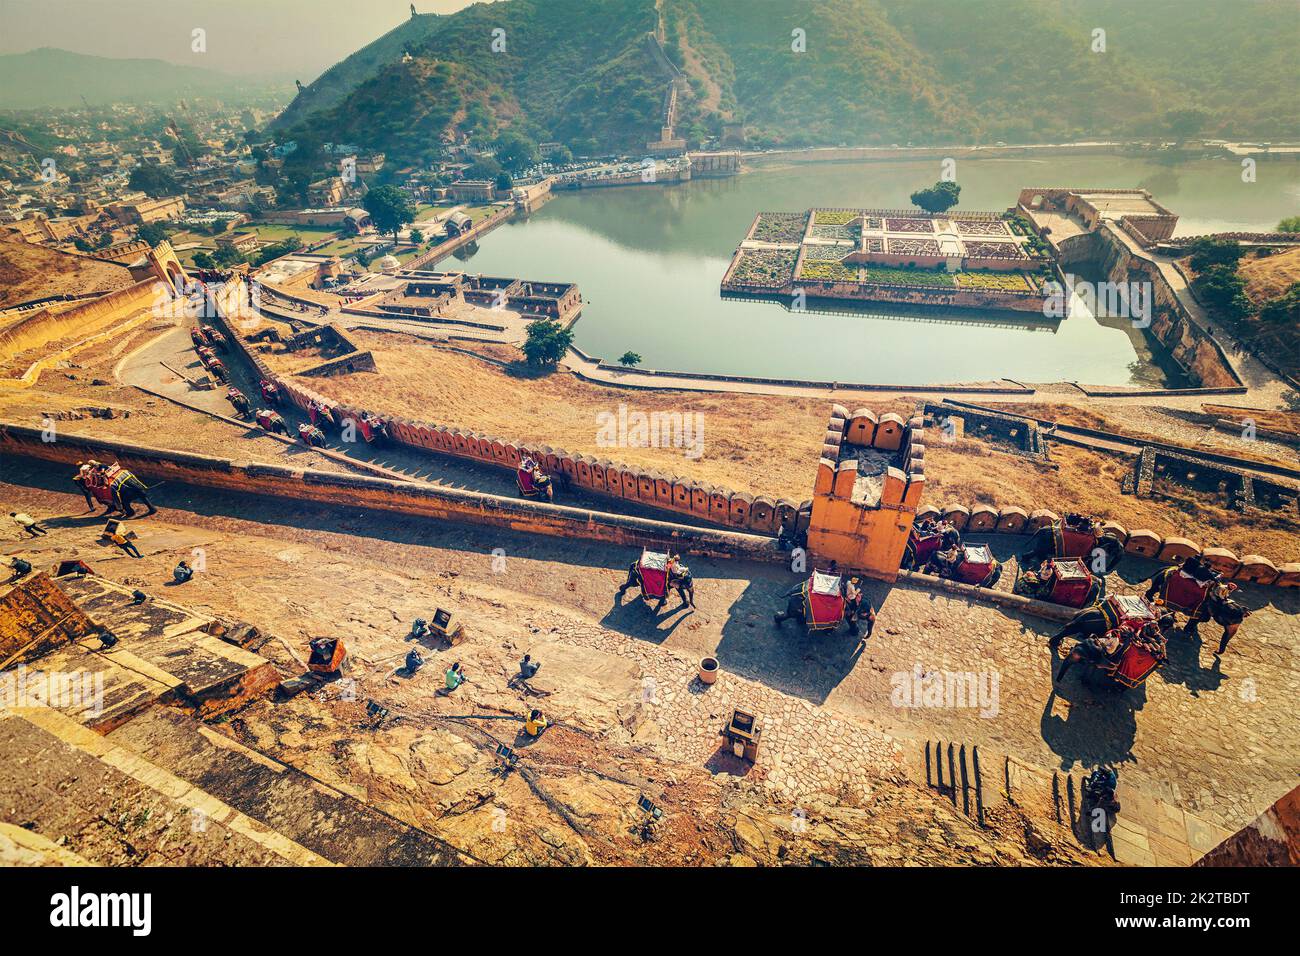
x=649, y=260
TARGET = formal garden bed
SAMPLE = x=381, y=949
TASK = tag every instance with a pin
x=998, y=281
x=827, y=270
x=779, y=226
x=889, y=275
x=764, y=267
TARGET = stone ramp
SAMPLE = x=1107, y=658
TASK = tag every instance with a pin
x=167, y=645
x=75, y=793
x=326, y=821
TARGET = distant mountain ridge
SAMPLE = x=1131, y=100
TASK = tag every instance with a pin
x=816, y=72
x=52, y=78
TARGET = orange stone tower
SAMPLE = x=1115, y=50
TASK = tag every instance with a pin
x=869, y=485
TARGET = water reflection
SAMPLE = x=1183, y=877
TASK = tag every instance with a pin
x=650, y=260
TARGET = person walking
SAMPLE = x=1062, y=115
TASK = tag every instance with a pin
x=27, y=523
x=123, y=542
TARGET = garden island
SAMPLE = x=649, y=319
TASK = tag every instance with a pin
x=978, y=260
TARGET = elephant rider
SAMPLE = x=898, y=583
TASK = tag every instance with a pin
x=1152, y=639
x=1098, y=651
x=1036, y=583
x=1079, y=522
x=945, y=562
x=854, y=601
x=82, y=479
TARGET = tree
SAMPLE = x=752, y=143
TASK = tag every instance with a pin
x=629, y=358
x=417, y=236
x=228, y=255
x=1285, y=309
x=940, y=197
x=204, y=261
x=547, y=342
x=1212, y=251
x=1289, y=224
x=504, y=183
x=83, y=245
x=151, y=233
x=1186, y=123
x=483, y=167
x=515, y=152
x=154, y=181
x=389, y=209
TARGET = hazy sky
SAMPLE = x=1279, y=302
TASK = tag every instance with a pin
x=301, y=37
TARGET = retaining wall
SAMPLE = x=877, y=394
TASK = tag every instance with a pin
x=759, y=514
x=418, y=499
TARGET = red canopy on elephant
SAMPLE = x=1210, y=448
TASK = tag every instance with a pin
x=1184, y=593
x=1135, y=665
x=654, y=573
x=824, y=597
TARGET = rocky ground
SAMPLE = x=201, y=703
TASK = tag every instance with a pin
x=1212, y=736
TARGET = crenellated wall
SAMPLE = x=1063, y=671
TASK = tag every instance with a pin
x=759, y=514
x=416, y=498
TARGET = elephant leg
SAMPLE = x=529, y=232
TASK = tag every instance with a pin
x=1228, y=631
x=1066, y=665
x=630, y=582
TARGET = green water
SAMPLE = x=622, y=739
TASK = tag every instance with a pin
x=649, y=260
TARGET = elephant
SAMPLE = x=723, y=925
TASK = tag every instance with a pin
x=1074, y=537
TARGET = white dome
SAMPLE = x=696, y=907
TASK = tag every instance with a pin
x=387, y=263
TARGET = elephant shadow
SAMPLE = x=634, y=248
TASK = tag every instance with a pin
x=1100, y=724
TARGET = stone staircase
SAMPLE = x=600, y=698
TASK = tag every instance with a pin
x=328, y=822
x=74, y=792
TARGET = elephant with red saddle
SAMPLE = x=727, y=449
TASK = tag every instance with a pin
x=1198, y=591
x=1074, y=536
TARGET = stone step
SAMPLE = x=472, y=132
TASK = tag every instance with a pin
x=23, y=847
x=73, y=789
x=327, y=821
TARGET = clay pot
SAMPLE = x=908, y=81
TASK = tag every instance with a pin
x=708, y=670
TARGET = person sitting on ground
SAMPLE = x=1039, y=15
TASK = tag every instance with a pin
x=535, y=723
x=138, y=597
x=528, y=667
x=182, y=573
x=414, y=661
x=20, y=567
x=27, y=523
x=455, y=676
x=420, y=629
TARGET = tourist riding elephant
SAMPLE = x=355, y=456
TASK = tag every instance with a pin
x=679, y=579
x=1114, y=611
x=1215, y=603
x=1077, y=536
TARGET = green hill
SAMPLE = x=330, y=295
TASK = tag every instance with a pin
x=585, y=72
x=49, y=78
